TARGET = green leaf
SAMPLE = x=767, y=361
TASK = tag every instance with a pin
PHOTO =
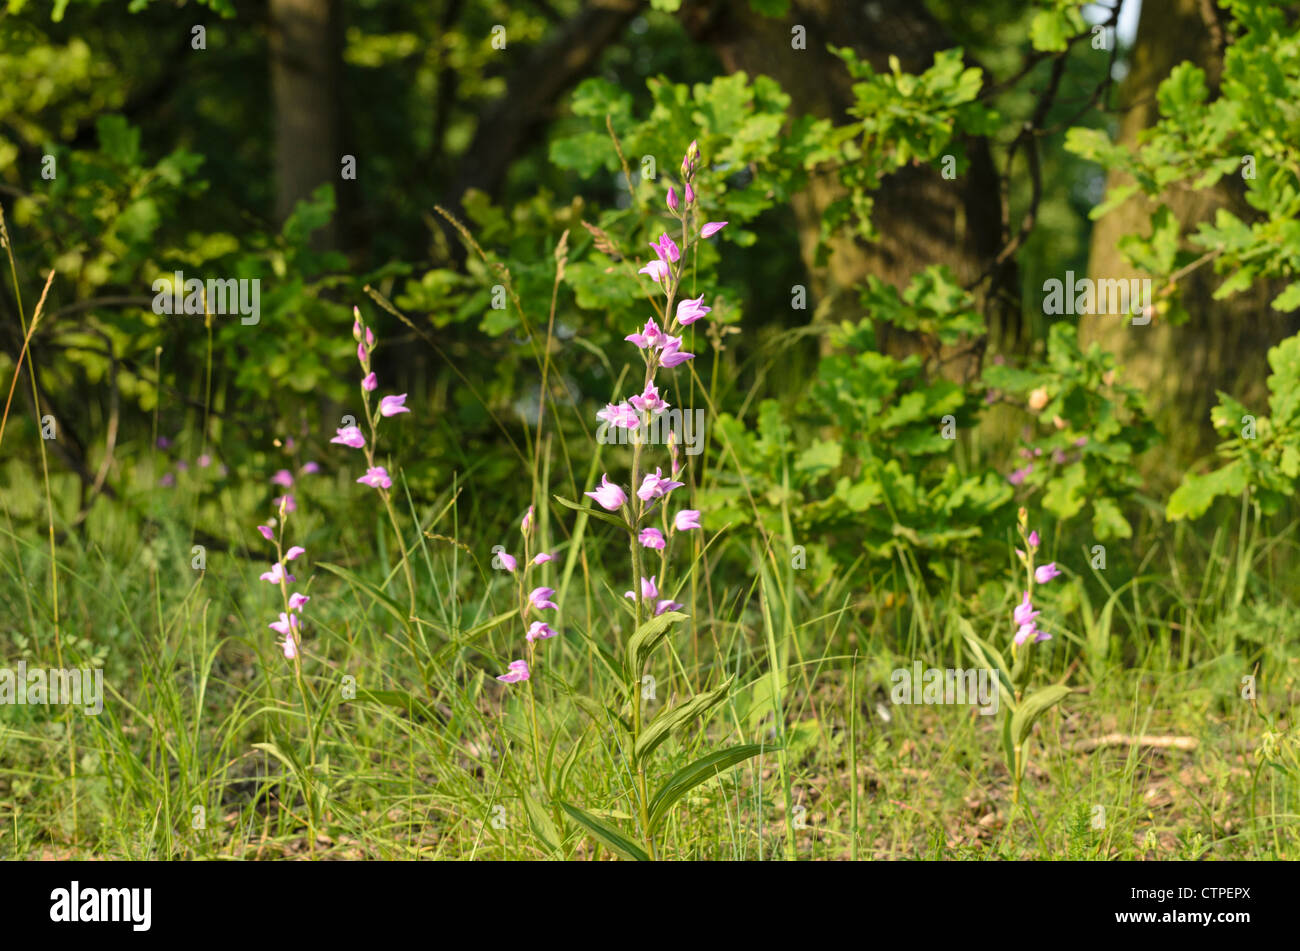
x=669, y=720
x=607, y=834
x=647, y=638
x=383, y=600
x=1289, y=299
x=1032, y=707
x=399, y=699
x=542, y=824
x=692, y=775
x=594, y=513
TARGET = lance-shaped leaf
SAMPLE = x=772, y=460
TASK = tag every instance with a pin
x=702, y=770
x=606, y=834
x=669, y=720
x=646, y=639
x=989, y=656
x=1031, y=708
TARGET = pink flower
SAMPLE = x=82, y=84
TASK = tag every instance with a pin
x=1046, y=573
x=650, y=337
x=310, y=468
x=656, y=270
x=609, y=495
x=167, y=481
x=542, y=558
x=204, y=461
x=665, y=605
x=392, y=405
x=294, y=552
x=518, y=672
x=671, y=355
x=377, y=478
x=284, y=478
x=652, y=538
x=286, y=624
x=1033, y=539
x=540, y=598
x=686, y=520
x=711, y=228
x=1019, y=475
x=620, y=416
x=285, y=501
x=508, y=561
x=665, y=249
x=648, y=590
x=672, y=200
x=351, y=437
x=650, y=401
x=1024, y=612
x=689, y=311
x=527, y=523
x=296, y=601
x=277, y=574
x=655, y=486
x=266, y=532
x=290, y=647
x=370, y=382
x=539, y=630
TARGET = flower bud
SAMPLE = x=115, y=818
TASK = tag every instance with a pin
x=672, y=199
x=690, y=194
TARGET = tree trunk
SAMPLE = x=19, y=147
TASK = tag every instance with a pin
x=306, y=58
x=1223, y=344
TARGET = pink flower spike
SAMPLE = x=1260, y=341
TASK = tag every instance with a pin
x=284, y=478
x=656, y=270
x=1045, y=573
x=296, y=601
x=665, y=605
x=689, y=311
x=609, y=495
x=518, y=671
x=543, y=557
x=712, y=228
x=392, y=405
x=686, y=520
x=508, y=561
x=377, y=478
x=351, y=437
x=540, y=598
x=266, y=532
x=540, y=630
x=294, y=552
x=370, y=382
x=652, y=538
